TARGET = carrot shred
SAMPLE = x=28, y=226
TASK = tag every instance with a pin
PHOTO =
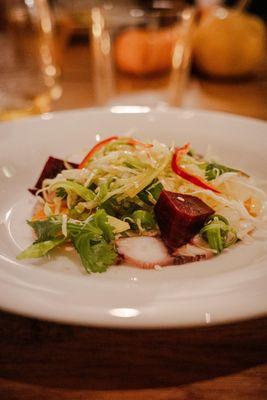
x=40, y=214
x=135, y=142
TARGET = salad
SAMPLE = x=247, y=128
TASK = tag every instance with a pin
x=142, y=203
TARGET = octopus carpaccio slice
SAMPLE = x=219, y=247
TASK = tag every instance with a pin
x=149, y=252
x=190, y=253
x=144, y=251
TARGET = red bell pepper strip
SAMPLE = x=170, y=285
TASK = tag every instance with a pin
x=179, y=152
x=96, y=148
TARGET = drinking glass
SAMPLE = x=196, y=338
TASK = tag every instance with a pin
x=141, y=55
x=28, y=71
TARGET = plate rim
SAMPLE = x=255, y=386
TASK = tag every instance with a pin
x=146, y=110
x=115, y=322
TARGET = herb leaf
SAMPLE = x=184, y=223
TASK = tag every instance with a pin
x=144, y=220
x=218, y=233
x=39, y=249
x=91, y=239
x=151, y=193
x=213, y=170
x=47, y=229
x=95, y=257
x=101, y=221
x=61, y=192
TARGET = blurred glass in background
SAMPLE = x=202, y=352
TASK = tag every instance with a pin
x=141, y=55
x=228, y=45
x=28, y=70
x=128, y=52
x=72, y=19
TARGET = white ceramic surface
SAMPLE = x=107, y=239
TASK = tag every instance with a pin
x=230, y=287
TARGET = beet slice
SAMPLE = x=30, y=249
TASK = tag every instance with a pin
x=180, y=217
x=53, y=166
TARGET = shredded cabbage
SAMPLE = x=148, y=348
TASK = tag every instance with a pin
x=125, y=177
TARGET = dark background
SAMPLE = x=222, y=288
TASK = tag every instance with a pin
x=258, y=7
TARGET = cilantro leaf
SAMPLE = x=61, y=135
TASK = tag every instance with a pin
x=101, y=221
x=47, y=229
x=95, y=257
x=93, y=232
x=92, y=240
x=124, y=208
x=61, y=192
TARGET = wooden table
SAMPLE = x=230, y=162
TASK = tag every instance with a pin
x=43, y=360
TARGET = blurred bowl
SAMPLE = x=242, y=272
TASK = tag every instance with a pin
x=229, y=43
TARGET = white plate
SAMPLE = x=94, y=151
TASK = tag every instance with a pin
x=230, y=287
